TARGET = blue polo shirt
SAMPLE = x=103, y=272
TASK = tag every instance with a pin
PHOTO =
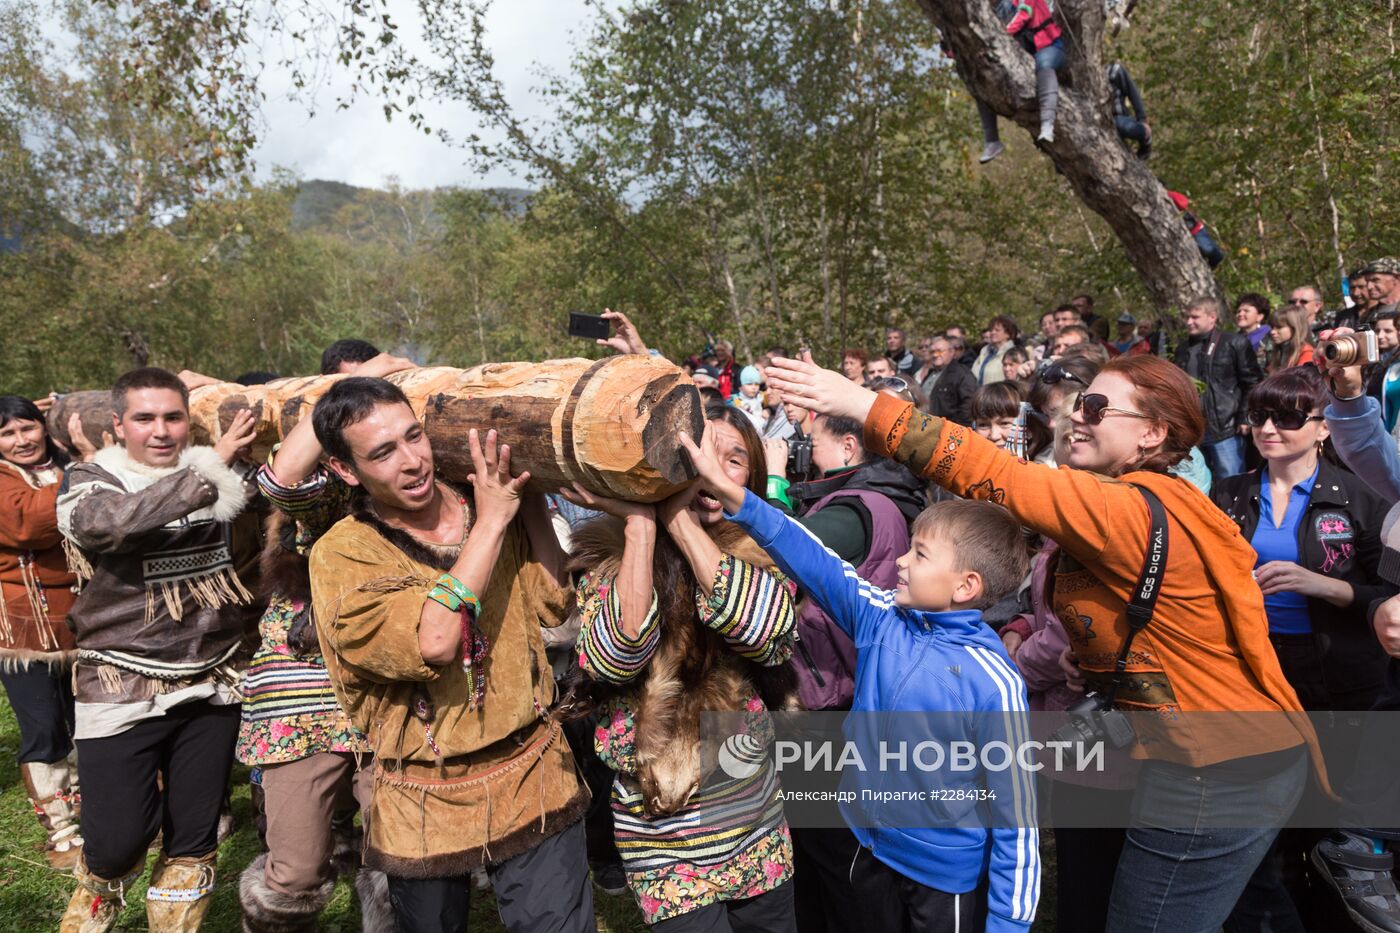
x=1288, y=612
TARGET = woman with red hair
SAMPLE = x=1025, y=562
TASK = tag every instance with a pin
x=1206, y=647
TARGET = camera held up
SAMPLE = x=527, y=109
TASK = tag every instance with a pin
x=1356, y=349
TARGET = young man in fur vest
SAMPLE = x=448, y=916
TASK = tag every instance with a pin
x=428, y=606
x=160, y=615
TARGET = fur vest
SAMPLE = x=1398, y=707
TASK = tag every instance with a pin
x=692, y=671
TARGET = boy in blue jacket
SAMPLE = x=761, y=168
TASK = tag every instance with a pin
x=924, y=648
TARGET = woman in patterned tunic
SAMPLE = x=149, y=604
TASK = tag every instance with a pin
x=693, y=620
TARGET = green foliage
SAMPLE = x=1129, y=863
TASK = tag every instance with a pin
x=797, y=173
x=1264, y=111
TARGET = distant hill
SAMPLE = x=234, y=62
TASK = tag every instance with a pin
x=332, y=205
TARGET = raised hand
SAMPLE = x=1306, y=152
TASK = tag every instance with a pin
x=382, y=365
x=775, y=456
x=819, y=390
x=713, y=479
x=241, y=433
x=619, y=508
x=77, y=440
x=497, y=493
x=1346, y=381
x=194, y=380
x=625, y=338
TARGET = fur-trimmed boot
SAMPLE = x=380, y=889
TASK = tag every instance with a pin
x=51, y=794
x=376, y=913
x=269, y=911
x=96, y=902
x=178, y=897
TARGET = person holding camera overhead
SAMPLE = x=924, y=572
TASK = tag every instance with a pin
x=1204, y=647
x=1316, y=529
x=860, y=507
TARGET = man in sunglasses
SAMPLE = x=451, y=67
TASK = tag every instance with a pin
x=1309, y=299
x=1223, y=362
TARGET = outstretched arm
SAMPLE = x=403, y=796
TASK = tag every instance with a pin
x=1074, y=507
x=842, y=594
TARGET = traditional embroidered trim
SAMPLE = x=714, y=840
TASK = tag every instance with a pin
x=160, y=670
x=456, y=591
x=179, y=895
x=185, y=563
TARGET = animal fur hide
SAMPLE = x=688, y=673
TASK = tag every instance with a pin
x=692, y=671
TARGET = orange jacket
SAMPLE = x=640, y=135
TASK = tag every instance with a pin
x=1207, y=647
x=36, y=587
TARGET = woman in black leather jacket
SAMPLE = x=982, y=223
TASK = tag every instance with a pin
x=1316, y=529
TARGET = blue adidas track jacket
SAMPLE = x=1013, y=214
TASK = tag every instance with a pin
x=913, y=661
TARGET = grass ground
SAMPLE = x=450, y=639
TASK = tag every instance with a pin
x=32, y=897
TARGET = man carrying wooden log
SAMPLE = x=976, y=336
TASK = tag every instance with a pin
x=147, y=525
x=428, y=604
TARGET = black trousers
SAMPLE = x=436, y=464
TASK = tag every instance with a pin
x=124, y=807
x=545, y=890
x=1285, y=895
x=1374, y=789
x=1086, y=858
x=903, y=905
x=598, y=822
x=826, y=898
x=42, y=698
x=769, y=912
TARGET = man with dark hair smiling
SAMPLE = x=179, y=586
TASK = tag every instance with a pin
x=158, y=619
x=428, y=606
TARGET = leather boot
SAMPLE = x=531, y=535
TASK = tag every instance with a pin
x=96, y=902
x=269, y=911
x=178, y=897
x=50, y=790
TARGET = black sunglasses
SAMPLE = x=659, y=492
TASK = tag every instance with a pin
x=1096, y=408
x=1285, y=419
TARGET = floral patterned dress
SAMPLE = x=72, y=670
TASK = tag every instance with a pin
x=730, y=841
x=289, y=709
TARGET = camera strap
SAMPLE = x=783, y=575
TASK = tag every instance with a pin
x=1149, y=585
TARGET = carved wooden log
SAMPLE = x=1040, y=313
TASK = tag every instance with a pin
x=610, y=424
x=95, y=409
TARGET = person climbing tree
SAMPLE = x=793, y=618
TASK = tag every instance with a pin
x=1034, y=27
x=1132, y=125
x=1210, y=249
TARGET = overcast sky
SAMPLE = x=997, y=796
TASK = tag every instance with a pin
x=359, y=147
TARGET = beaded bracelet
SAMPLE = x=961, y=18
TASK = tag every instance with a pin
x=454, y=594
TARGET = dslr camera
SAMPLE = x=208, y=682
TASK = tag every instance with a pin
x=799, y=455
x=1093, y=719
x=1355, y=349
